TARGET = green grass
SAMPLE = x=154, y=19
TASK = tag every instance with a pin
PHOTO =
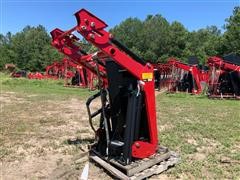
x=47, y=87
x=212, y=125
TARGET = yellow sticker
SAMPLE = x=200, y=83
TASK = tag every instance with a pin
x=146, y=76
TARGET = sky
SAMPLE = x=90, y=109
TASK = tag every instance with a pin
x=193, y=14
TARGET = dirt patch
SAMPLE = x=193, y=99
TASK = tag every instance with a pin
x=10, y=98
x=165, y=127
x=207, y=147
x=36, y=139
x=192, y=141
x=197, y=156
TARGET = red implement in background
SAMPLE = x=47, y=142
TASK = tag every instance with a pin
x=162, y=74
x=224, y=78
x=55, y=70
x=82, y=76
x=187, y=77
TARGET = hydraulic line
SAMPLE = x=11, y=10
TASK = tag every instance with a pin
x=103, y=102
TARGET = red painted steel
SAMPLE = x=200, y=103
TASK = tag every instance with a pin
x=197, y=74
x=92, y=29
x=162, y=75
x=217, y=68
x=87, y=79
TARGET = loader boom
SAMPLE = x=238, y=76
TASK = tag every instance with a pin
x=127, y=131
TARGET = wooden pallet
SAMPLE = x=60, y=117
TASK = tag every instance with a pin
x=140, y=169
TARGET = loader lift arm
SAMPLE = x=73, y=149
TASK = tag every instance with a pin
x=224, y=81
x=193, y=70
x=68, y=44
x=127, y=131
x=92, y=29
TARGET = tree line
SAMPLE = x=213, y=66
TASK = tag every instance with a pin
x=29, y=49
x=154, y=39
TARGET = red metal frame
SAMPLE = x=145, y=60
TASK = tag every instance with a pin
x=55, y=70
x=197, y=74
x=92, y=29
x=87, y=79
x=219, y=67
x=69, y=74
x=164, y=73
x=66, y=42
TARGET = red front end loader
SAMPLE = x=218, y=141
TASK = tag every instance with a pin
x=81, y=78
x=224, y=77
x=127, y=137
x=187, y=77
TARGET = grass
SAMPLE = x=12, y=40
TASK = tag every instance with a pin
x=203, y=131
x=47, y=88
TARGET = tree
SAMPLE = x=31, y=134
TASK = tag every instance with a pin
x=29, y=49
x=129, y=32
x=203, y=43
x=232, y=34
x=156, y=37
x=178, y=39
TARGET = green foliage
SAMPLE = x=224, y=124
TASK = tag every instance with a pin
x=232, y=35
x=29, y=49
x=156, y=39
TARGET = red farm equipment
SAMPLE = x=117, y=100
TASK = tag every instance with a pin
x=19, y=74
x=81, y=78
x=36, y=75
x=53, y=71
x=224, y=77
x=162, y=75
x=187, y=77
x=12, y=69
x=126, y=141
x=68, y=70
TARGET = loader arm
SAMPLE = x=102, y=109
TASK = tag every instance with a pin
x=93, y=30
x=68, y=44
x=192, y=69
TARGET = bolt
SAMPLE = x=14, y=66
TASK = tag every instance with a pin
x=86, y=21
x=84, y=28
x=110, y=36
x=92, y=24
x=148, y=65
x=137, y=145
x=91, y=36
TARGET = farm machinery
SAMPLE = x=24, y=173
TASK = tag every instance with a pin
x=67, y=69
x=15, y=72
x=53, y=71
x=187, y=77
x=126, y=143
x=224, y=77
x=82, y=76
x=162, y=75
